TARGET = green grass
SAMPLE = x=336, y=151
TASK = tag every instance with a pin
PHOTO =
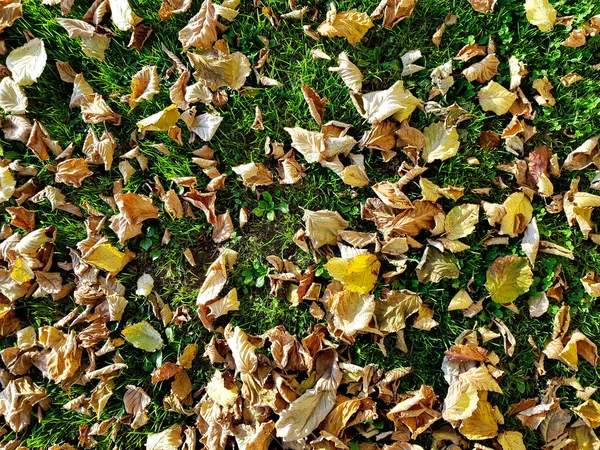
x=378, y=55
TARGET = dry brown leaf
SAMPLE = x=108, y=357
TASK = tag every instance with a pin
x=393, y=11
x=484, y=70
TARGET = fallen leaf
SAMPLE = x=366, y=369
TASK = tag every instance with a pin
x=440, y=143
x=507, y=278
x=540, y=13
x=494, y=97
x=143, y=336
x=352, y=25
x=27, y=63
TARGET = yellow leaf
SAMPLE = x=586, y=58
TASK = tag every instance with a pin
x=21, y=272
x=361, y=273
x=461, y=220
x=337, y=268
x=507, y=278
x=352, y=25
x=541, y=14
x=519, y=213
x=440, y=143
x=143, y=335
x=589, y=412
x=462, y=300
x=106, y=257
x=161, y=121
x=494, y=97
x=482, y=424
x=511, y=440
x=460, y=402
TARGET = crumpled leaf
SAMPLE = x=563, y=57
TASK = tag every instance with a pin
x=351, y=75
x=144, y=85
x=323, y=227
x=352, y=312
x=304, y=414
x=393, y=11
x=378, y=106
x=507, y=278
x=352, y=25
x=27, y=63
x=161, y=121
x=142, y=335
x=540, y=13
x=12, y=98
x=18, y=399
x=122, y=15
x=483, y=6
x=201, y=30
x=10, y=11
x=440, y=143
x=169, y=439
x=483, y=70
x=494, y=97
x=136, y=401
x=358, y=274
x=254, y=174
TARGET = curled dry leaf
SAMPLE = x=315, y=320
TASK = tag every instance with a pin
x=483, y=6
x=378, y=106
x=254, y=174
x=393, y=11
x=201, y=30
x=484, y=70
x=351, y=75
x=352, y=25
x=12, y=98
x=323, y=227
x=144, y=85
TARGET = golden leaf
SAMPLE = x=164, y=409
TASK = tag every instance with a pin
x=508, y=278
x=462, y=300
x=352, y=25
x=482, y=424
x=494, y=97
x=106, y=257
x=511, y=440
x=589, y=412
x=461, y=221
x=440, y=143
x=379, y=105
x=541, y=14
x=519, y=213
x=169, y=439
x=161, y=121
x=482, y=71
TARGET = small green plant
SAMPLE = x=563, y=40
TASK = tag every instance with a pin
x=256, y=274
x=268, y=206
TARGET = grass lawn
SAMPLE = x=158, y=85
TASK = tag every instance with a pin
x=563, y=128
